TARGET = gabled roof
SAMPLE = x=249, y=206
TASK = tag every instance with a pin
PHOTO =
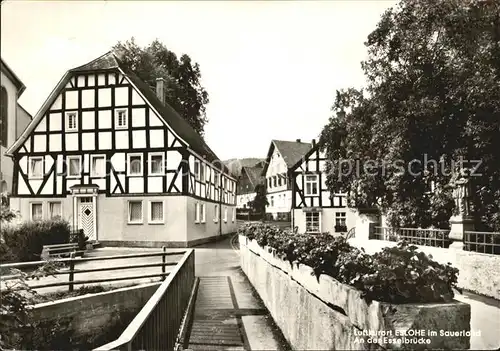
x=291, y=151
x=110, y=61
x=314, y=147
x=254, y=174
x=12, y=76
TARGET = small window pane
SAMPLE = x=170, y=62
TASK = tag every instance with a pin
x=98, y=166
x=312, y=222
x=135, y=164
x=157, y=211
x=74, y=166
x=36, y=167
x=55, y=210
x=36, y=212
x=156, y=164
x=135, y=211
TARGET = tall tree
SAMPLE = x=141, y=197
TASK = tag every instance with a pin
x=433, y=93
x=184, y=91
x=260, y=202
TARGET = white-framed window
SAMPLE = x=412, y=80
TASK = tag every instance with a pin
x=35, y=170
x=202, y=213
x=135, y=212
x=197, y=212
x=313, y=222
x=197, y=169
x=340, y=222
x=216, y=213
x=71, y=121
x=271, y=202
x=216, y=178
x=134, y=164
x=121, y=120
x=97, y=166
x=233, y=215
x=202, y=171
x=311, y=183
x=36, y=211
x=225, y=214
x=55, y=210
x=74, y=166
x=156, y=163
x=156, y=212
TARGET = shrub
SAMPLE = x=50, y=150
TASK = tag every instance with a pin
x=25, y=242
x=396, y=274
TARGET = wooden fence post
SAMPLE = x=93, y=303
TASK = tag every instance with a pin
x=164, y=261
x=71, y=270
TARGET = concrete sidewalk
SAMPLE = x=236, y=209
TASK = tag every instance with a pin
x=228, y=315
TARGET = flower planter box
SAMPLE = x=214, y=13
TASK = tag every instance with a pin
x=341, y=314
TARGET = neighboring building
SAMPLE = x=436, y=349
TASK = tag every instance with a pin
x=245, y=191
x=236, y=164
x=281, y=157
x=314, y=208
x=108, y=154
x=13, y=120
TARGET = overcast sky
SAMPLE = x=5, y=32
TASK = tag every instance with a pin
x=271, y=68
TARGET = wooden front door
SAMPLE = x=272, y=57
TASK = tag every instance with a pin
x=87, y=217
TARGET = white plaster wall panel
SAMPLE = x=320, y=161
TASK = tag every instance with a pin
x=85, y=161
x=191, y=159
x=155, y=184
x=111, y=79
x=88, y=120
x=23, y=164
x=59, y=181
x=312, y=166
x=60, y=164
x=203, y=190
x=88, y=141
x=170, y=178
x=91, y=80
x=121, y=139
x=71, y=100
x=120, y=79
x=138, y=117
x=105, y=140
x=104, y=97
x=86, y=180
x=326, y=197
x=156, y=138
x=118, y=162
x=176, y=144
x=198, y=189
x=298, y=180
x=336, y=201
x=57, y=105
x=121, y=96
x=154, y=121
x=71, y=141
x=323, y=180
x=135, y=185
x=22, y=188
x=40, y=143
x=81, y=81
x=101, y=79
x=71, y=182
x=35, y=184
x=322, y=166
x=48, y=188
x=88, y=98
x=101, y=183
x=112, y=183
x=42, y=126
x=137, y=99
x=297, y=199
x=55, y=142
x=322, y=154
x=55, y=121
x=104, y=119
x=178, y=182
x=139, y=139
x=27, y=144
x=170, y=138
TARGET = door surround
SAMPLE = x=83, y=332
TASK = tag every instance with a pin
x=85, y=191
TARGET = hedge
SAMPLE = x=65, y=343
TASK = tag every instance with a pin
x=396, y=274
x=25, y=242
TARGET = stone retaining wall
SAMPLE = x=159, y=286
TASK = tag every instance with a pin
x=323, y=314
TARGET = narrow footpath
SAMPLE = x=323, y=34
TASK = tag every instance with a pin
x=228, y=314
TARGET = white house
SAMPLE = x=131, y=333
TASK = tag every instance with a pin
x=108, y=154
x=282, y=155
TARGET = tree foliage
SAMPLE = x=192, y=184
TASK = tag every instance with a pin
x=184, y=91
x=260, y=202
x=433, y=93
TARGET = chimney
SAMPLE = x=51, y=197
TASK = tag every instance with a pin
x=160, y=89
x=314, y=142
x=298, y=140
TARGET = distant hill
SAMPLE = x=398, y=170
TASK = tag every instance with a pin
x=234, y=165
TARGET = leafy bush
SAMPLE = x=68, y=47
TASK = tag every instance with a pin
x=396, y=274
x=25, y=242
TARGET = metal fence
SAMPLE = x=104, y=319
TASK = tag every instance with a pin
x=156, y=326
x=483, y=242
x=425, y=237
x=71, y=271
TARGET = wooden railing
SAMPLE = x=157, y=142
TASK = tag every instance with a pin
x=156, y=326
x=426, y=237
x=483, y=242
x=71, y=271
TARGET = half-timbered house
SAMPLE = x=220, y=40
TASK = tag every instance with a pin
x=249, y=178
x=111, y=156
x=314, y=208
x=281, y=156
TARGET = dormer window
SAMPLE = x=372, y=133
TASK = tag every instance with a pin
x=121, y=119
x=71, y=122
